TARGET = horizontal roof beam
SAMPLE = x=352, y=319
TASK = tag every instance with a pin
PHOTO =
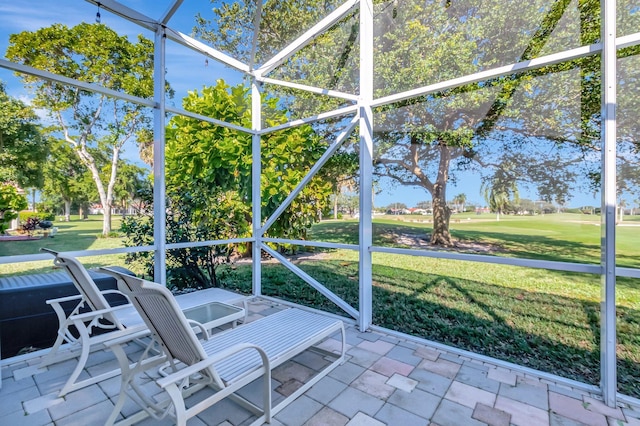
x=91, y=87
x=152, y=24
x=311, y=89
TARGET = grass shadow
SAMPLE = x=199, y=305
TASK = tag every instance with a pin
x=551, y=333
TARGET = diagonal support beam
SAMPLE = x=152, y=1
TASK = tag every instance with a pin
x=312, y=282
x=315, y=169
x=127, y=13
x=311, y=89
x=215, y=121
x=200, y=47
x=307, y=37
x=540, y=62
x=325, y=115
x=91, y=87
x=171, y=11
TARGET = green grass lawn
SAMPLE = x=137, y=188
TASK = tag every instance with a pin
x=558, y=237
x=548, y=320
x=541, y=319
x=78, y=234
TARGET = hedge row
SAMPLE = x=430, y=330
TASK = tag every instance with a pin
x=24, y=215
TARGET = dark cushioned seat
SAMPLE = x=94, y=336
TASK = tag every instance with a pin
x=26, y=320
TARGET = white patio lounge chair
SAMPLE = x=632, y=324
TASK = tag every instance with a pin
x=226, y=362
x=92, y=314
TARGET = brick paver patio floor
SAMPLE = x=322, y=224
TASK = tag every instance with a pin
x=385, y=380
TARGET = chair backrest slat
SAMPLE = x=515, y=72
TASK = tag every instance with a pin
x=163, y=316
x=85, y=285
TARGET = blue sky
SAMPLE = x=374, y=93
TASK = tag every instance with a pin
x=186, y=70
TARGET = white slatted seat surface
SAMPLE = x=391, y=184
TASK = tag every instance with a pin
x=302, y=330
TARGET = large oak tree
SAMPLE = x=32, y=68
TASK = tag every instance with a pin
x=537, y=129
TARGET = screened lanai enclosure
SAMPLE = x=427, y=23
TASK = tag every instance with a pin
x=460, y=171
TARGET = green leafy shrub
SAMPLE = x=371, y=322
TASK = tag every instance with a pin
x=209, y=186
x=110, y=234
x=189, y=220
x=25, y=215
x=10, y=204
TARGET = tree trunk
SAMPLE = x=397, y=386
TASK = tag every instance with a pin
x=441, y=214
x=440, y=235
x=106, y=219
x=67, y=210
x=335, y=207
x=83, y=211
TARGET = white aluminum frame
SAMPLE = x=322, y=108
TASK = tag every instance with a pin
x=256, y=194
x=608, y=366
x=365, y=242
x=159, y=186
x=363, y=113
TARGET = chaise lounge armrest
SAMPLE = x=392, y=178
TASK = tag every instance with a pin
x=184, y=373
x=79, y=297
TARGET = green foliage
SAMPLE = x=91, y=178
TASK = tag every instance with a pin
x=131, y=180
x=10, y=204
x=208, y=184
x=112, y=234
x=540, y=319
x=190, y=218
x=65, y=178
x=546, y=120
x=95, y=126
x=24, y=215
x=204, y=158
x=30, y=225
x=501, y=190
x=22, y=149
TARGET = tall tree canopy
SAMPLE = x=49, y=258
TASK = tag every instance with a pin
x=201, y=156
x=91, y=53
x=22, y=148
x=209, y=185
x=540, y=126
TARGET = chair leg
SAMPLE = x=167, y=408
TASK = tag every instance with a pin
x=177, y=400
x=126, y=376
x=267, y=395
x=129, y=372
x=82, y=360
x=50, y=358
x=63, y=333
